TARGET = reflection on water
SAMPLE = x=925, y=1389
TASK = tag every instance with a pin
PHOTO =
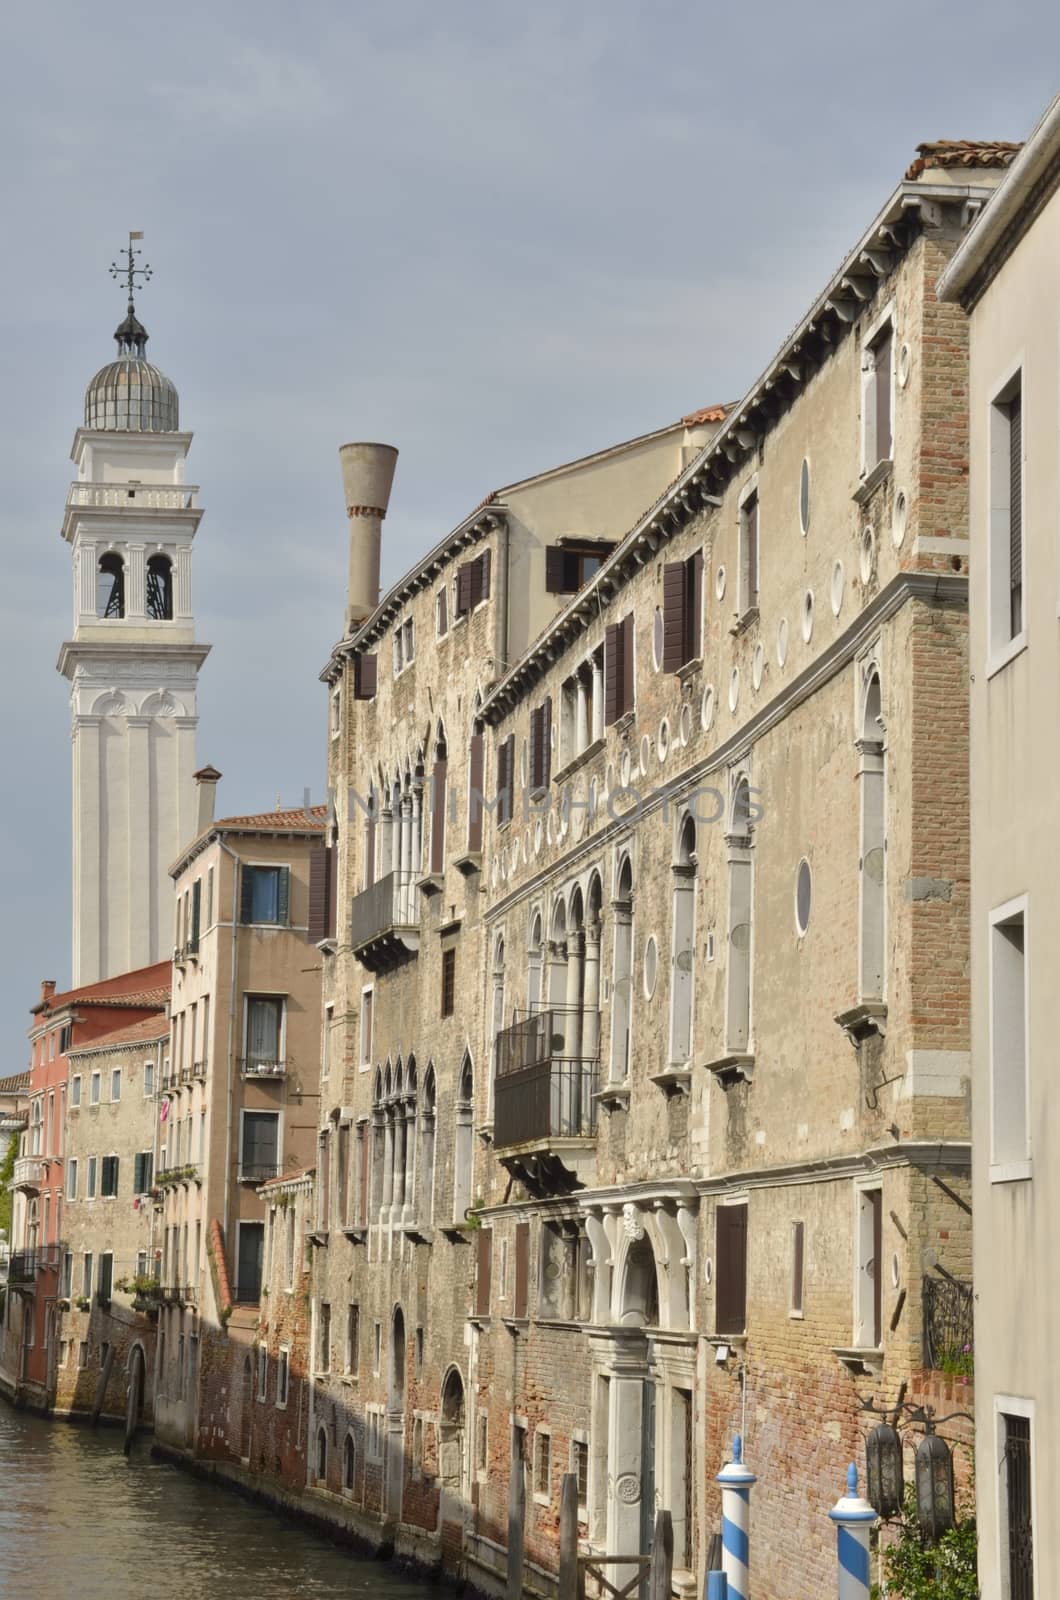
x=79, y=1522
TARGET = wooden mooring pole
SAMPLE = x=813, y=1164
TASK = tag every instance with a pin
x=661, y=1571
x=568, y=1538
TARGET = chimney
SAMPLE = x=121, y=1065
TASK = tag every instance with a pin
x=367, y=475
x=47, y=989
x=206, y=781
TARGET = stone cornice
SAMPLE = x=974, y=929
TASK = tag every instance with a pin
x=72, y=652
x=927, y=587
x=923, y=1154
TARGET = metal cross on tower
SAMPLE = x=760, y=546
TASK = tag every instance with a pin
x=128, y=269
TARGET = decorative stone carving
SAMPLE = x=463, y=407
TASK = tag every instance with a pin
x=632, y=1226
x=627, y=1488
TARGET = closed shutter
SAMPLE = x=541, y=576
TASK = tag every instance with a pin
x=612, y=672
x=365, y=675
x=876, y=1201
x=485, y=567
x=1015, y=514
x=522, y=1268
x=546, y=743
x=628, y=694
x=555, y=570
x=319, y=882
x=731, y=1269
x=797, y=1264
x=246, y=894
x=675, y=580
x=535, y=747
x=484, y=1277
x=751, y=534
x=505, y=765
x=882, y=378
x=196, y=904
x=694, y=606
x=463, y=590
x=140, y=1186
x=283, y=895
x=443, y=611
x=333, y=884
x=476, y=775
x=438, y=815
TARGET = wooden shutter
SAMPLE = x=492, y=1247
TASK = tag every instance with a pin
x=484, y=1277
x=463, y=589
x=196, y=903
x=555, y=574
x=319, y=884
x=628, y=688
x=876, y=1202
x=283, y=896
x=363, y=1164
x=694, y=606
x=612, y=672
x=751, y=535
x=365, y=676
x=476, y=774
x=535, y=747
x=333, y=886
x=438, y=779
x=882, y=380
x=485, y=561
x=522, y=1268
x=675, y=582
x=443, y=611
x=246, y=891
x=730, y=1269
x=798, y=1244
x=1015, y=514
x=546, y=743
x=505, y=765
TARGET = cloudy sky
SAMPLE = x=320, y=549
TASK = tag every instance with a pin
x=497, y=236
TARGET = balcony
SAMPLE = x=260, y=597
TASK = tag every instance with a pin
x=261, y=1067
x=949, y=1336
x=247, y=1294
x=544, y=1116
x=28, y=1173
x=255, y=1171
x=22, y=1268
x=384, y=922
x=143, y=496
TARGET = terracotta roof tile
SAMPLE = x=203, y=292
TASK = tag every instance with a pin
x=707, y=414
x=104, y=993
x=17, y=1083
x=287, y=1177
x=281, y=821
x=150, y=1029
x=963, y=153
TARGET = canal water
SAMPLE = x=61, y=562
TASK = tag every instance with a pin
x=79, y=1522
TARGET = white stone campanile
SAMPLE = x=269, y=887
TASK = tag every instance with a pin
x=132, y=662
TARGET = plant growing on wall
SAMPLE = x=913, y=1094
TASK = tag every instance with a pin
x=7, y=1172
x=946, y=1571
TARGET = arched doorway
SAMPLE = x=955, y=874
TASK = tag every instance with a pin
x=395, y=1407
x=451, y=1446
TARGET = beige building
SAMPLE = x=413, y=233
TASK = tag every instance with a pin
x=404, y=1026
x=726, y=908
x=240, y=1083
x=1005, y=276
x=110, y=1276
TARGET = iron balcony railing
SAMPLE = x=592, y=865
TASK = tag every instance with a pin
x=262, y=1067
x=546, y=1083
x=949, y=1337
x=258, y=1171
x=386, y=906
x=22, y=1266
x=247, y=1293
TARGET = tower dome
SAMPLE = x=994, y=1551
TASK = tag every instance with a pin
x=130, y=395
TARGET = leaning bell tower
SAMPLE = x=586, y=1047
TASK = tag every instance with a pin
x=132, y=662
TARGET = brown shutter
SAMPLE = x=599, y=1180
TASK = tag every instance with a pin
x=675, y=581
x=730, y=1269
x=522, y=1268
x=443, y=610
x=628, y=687
x=463, y=589
x=876, y=1202
x=476, y=774
x=484, y=1279
x=364, y=677
x=612, y=672
x=546, y=743
x=505, y=778
x=319, y=865
x=485, y=565
x=363, y=1148
x=694, y=607
x=798, y=1247
x=882, y=379
x=333, y=889
x=369, y=842
x=555, y=570
x=438, y=815
x=535, y=748
x=751, y=514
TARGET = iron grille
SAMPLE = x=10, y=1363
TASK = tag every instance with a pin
x=948, y=1325
x=1018, y=1499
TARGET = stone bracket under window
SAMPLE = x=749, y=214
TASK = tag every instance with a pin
x=614, y=1096
x=673, y=1080
x=872, y=481
x=431, y=883
x=317, y=1236
x=417, y=1233
x=485, y=1133
x=736, y=1067
x=458, y=1232
x=863, y=1363
x=862, y=1021
x=356, y=1235
x=469, y=864
x=744, y=621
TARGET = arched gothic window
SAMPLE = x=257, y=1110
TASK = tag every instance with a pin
x=110, y=590
x=349, y=1462
x=322, y=1454
x=428, y=1134
x=872, y=781
x=463, y=1153
x=160, y=589
x=682, y=946
x=622, y=974
x=738, y=989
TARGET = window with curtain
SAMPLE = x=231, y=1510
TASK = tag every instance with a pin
x=264, y=1028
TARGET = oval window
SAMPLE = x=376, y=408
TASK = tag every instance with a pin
x=657, y=639
x=803, y=896
x=804, y=496
x=651, y=965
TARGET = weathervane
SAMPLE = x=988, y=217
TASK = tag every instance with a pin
x=129, y=270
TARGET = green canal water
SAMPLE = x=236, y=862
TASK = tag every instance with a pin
x=79, y=1522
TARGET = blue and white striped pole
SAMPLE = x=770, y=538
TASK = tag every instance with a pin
x=736, y=1481
x=854, y=1519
